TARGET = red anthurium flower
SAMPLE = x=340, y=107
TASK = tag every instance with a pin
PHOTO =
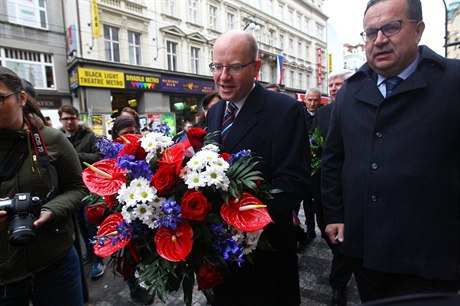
x=104, y=177
x=225, y=156
x=96, y=213
x=174, y=245
x=246, y=214
x=196, y=137
x=173, y=156
x=132, y=146
x=110, y=201
x=209, y=277
x=110, y=239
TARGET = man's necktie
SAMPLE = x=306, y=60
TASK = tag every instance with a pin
x=391, y=84
x=228, y=119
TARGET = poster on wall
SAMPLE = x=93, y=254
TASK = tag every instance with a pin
x=154, y=120
x=98, y=127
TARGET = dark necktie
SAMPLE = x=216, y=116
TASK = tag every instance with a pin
x=391, y=84
x=228, y=119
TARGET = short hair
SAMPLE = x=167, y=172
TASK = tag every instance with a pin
x=414, y=8
x=131, y=111
x=341, y=73
x=274, y=85
x=68, y=108
x=313, y=90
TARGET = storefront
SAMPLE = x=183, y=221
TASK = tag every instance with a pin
x=102, y=91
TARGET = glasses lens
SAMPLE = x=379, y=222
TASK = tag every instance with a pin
x=68, y=118
x=392, y=28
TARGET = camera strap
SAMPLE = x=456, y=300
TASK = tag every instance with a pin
x=42, y=156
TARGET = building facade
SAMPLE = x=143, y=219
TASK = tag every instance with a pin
x=153, y=55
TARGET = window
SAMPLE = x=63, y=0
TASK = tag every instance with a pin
x=269, y=7
x=282, y=42
x=36, y=67
x=299, y=50
x=134, y=45
x=301, y=80
x=290, y=17
x=172, y=55
x=111, y=44
x=292, y=78
x=170, y=7
x=192, y=10
x=271, y=37
x=213, y=17
x=291, y=46
x=280, y=12
x=195, y=60
x=297, y=21
x=319, y=31
x=230, y=21
x=307, y=52
x=306, y=25
x=28, y=13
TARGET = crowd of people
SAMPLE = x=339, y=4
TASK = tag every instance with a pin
x=386, y=197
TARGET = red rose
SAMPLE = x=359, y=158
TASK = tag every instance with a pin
x=209, y=277
x=96, y=213
x=195, y=206
x=164, y=180
x=196, y=137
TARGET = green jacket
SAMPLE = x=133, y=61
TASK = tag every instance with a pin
x=53, y=239
x=84, y=142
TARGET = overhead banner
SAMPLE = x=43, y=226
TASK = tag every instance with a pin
x=186, y=85
x=100, y=78
x=143, y=82
x=95, y=24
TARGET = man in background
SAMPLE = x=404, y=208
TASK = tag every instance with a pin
x=84, y=142
x=340, y=270
x=390, y=184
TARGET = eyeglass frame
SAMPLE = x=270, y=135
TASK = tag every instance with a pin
x=3, y=97
x=229, y=67
x=68, y=119
x=364, y=35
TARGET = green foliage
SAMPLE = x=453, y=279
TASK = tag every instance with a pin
x=316, y=145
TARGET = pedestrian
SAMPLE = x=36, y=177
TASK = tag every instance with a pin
x=208, y=101
x=391, y=163
x=273, y=127
x=83, y=140
x=341, y=272
x=38, y=261
x=273, y=87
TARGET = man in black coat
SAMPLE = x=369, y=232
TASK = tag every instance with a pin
x=391, y=163
x=340, y=271
x=273, y=126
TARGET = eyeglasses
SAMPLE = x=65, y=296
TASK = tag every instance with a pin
x=3, y=97
x=231, y=68
x=388, y=30
x=68, y=119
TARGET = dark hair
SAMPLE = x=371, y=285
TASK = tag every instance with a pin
x=15, y=84
x=67, y=108
x=29, y=88
x=208, y=98
x=131, y=111
x=120, y=123
x=414, y=8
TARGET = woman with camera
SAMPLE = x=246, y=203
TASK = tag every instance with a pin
x=40, y=175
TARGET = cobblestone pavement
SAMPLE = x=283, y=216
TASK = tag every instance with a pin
x=314, y=266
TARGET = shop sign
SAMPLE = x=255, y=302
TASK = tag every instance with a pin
x=100, y=78
x=143, y=82
x=186, y=85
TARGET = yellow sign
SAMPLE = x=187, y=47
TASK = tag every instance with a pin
x=330, y=63
x=100, y=78
x=96, y=25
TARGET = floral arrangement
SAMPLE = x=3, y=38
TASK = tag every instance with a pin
x=173, y=214
x=316, y=145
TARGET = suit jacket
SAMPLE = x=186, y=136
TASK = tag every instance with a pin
x=273, y=126
x=321, y=119
x=391, y=170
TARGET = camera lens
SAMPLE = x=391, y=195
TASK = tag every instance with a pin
x=21, y=230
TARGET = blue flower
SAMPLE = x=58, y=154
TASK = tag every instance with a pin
x=107, y=147
x=172, y=216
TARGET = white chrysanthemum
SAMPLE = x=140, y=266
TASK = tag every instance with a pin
x=214, y=176
x=143, y=212
x=252, y=238
x=211, y=147
x=150, y=141
x=126, y=195
x=196, y=163
x=208, y=156
x=165, y=142
x=127, y=215
x=222, y=164
x=140, y=182
x=145, y=194
x=194, y=180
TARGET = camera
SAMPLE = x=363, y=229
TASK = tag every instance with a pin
x=22, y=211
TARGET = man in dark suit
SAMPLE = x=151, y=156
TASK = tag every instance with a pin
x=340, y=271
x=390, y=183
x=273, y=126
